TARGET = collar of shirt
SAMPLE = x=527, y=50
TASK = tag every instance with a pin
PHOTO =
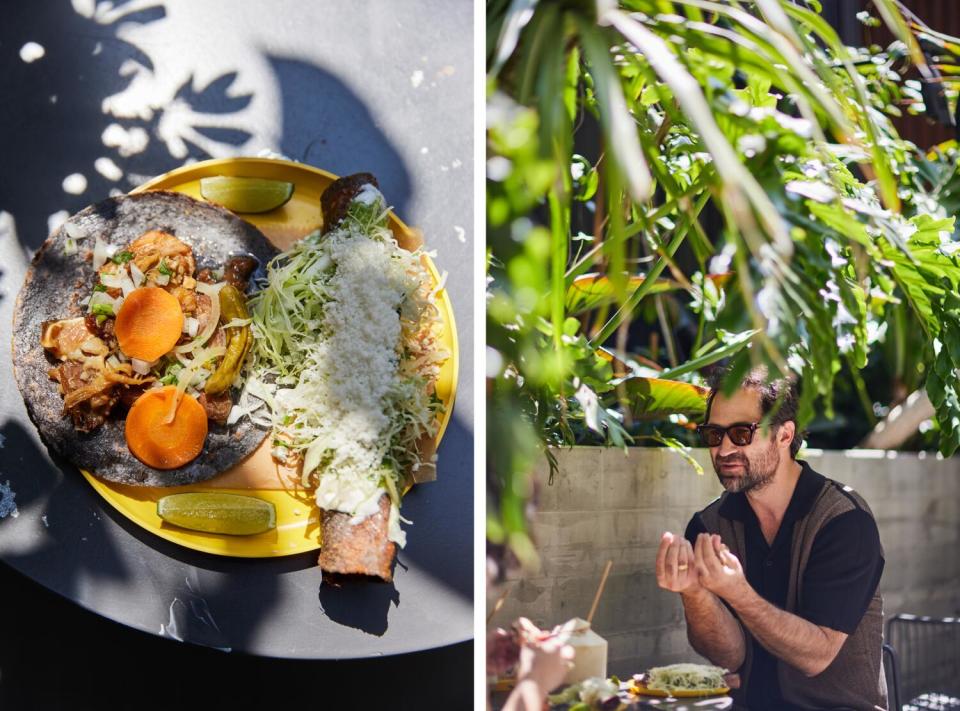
x=736, y=507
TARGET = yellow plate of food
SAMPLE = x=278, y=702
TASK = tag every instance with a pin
x=230, y=453
x=680, y=681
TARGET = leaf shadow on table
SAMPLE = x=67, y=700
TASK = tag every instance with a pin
x=324, y=123
x=71, y=544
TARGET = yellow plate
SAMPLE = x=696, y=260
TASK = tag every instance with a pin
x=297, y=528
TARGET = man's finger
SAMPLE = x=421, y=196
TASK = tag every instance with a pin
x=728, y=558
x=683, y=563
x=665, y=540
x=710, y=559
x=673, y=553
x=698, y=558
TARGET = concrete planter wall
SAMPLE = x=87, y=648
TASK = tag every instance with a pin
x=607, y=505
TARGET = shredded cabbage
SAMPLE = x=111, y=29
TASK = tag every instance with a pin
x=688, y=677
x=345, y=357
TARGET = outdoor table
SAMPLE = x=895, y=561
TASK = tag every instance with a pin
x=379, y=87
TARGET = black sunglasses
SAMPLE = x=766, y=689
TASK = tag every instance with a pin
x=740, y=433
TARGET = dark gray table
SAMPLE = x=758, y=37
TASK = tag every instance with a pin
x=123, y=94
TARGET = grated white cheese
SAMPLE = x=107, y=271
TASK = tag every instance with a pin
x=343, y=355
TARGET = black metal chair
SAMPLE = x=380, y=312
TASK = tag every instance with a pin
x=924, y=655
x=892, y=669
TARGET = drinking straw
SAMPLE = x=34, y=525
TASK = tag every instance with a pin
x=596, y=598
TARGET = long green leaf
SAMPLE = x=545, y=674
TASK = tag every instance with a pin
x=651, y=278
x=623, y=144
x=656, y=399
x=591, y=291
x=732, y=346
x=740, y=188
x=516, y=18
x=898, y=26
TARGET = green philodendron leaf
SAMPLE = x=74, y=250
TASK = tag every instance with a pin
x=653, y=399
x=591, y=291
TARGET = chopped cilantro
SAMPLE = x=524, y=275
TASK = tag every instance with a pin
x=121, y=257
x=163, y=268
x=99, y=287
x=171, y=374
x=102, y=309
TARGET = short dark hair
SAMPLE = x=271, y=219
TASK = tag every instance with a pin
x=779, y=393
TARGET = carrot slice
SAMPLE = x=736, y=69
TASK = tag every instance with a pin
x=160, y=445
x=149, y=323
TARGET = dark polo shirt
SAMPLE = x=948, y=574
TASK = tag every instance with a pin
x=840, y=579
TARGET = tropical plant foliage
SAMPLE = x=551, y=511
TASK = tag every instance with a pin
x=835, y=237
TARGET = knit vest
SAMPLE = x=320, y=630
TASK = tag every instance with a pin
x=855, y=678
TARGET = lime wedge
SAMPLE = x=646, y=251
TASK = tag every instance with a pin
x=246, y=194
x=233, y=514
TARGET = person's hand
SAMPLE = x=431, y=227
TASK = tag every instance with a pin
x=503, y=651
x=718, y=569
x=545, y=657
x=675, y=564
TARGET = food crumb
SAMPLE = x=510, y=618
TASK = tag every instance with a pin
x=108, y=169
x=46, y=523
x=461, y=233
x=8, y=506
x=416, y=79
x=31, y=52
x=75, y=183
x=456, y=163
x=424, y=150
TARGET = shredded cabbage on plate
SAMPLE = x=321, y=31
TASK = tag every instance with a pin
x=685, y=677
x=345, y=359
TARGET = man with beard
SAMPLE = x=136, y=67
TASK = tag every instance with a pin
x=778, y=576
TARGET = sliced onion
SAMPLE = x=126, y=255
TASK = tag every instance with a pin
x=99, y=253
x=141, y=366
x=213, y=291
x=238, y=322
x=74, y=231
x=183, y=380
x=190, y=326
x=118, y=281
x=210, y=290
x=136, y=274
